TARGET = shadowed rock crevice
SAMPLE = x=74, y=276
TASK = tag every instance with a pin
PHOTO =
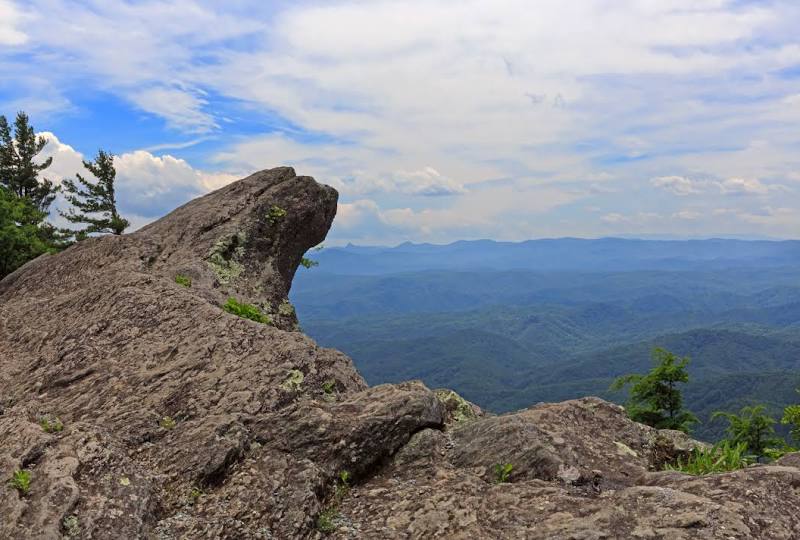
x=182, y=420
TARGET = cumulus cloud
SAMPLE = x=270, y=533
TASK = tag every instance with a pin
x=447, y=99
x=147, y=186
x=679, y=185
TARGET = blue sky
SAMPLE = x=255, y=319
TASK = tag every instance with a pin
x=435, y=120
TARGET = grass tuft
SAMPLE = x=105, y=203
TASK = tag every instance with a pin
x=722, y=457
x=21, y=481
x=246, y=311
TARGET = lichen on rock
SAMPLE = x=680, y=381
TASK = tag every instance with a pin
x=225, y=256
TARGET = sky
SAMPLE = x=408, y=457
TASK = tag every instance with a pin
x=435, y=120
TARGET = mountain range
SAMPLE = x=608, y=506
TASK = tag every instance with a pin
x=508, y=324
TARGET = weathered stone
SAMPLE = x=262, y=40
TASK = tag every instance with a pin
x=184, y=421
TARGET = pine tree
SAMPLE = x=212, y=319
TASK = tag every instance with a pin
x=18, y=171
x=655, y=399
x=753, y=427
x=95, y=198
x=21, y=239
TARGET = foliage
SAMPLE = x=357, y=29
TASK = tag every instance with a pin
x=791, y=417
x=186, y=281
x=21, y=481
x=342, y=486
x=308, y=263
x=275, y=214
x=95, y=202
x=751, y=427
x=51, y=426
x=722, y=457
x=326, y=520
x=329, y=386
x=305, y=262
x=246, y=311
x=654, y=398
x=21, y=236
x=167, y=422
x=19, y=172
x=502, y=472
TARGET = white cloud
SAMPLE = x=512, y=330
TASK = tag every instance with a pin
x=10, y=18
x=679, y=185
x=492, y=104
x=743, y=186
x=686, y=214
x=147, y=186
x=181, y=108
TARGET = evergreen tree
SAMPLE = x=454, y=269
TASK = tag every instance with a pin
x=791, y=417
x=95, y=198
x=21, y=239
x=751, y=427
x=654, y=398
x=18, y=171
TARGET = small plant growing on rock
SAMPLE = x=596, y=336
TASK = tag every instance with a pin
x=185, y=281
x=329, y=387
x=722, y=457
x=194, y=495
x=167, y=422
x=342, y=486
x=308, y=263
x=21, y=481
x=502, y=472
x=275, y=214
x=326, y=520
x=246, y=311
x=51, y=426
x=311, y=263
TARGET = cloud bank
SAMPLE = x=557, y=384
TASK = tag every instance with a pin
x=439, y=120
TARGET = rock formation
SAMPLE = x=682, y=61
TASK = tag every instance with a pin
x=182, y=420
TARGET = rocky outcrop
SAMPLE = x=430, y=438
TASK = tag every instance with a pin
x=182, y=420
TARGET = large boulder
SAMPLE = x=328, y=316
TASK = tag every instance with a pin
x=140, y=408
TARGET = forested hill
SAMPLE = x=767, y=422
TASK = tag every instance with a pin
x=473, y=317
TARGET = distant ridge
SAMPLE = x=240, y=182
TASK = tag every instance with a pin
x=602, y=254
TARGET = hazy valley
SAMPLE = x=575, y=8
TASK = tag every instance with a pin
x=508, y=325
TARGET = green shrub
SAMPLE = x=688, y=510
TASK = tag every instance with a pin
x=722, y=457
x=21, y=481
x=753, y=427
x=167, y=423
x=51, y=426
x=791, y=417
x=329, y=386
x=502, y=472
x=246, y=311
x=186, y=281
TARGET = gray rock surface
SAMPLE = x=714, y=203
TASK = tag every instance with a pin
x=184, y=421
